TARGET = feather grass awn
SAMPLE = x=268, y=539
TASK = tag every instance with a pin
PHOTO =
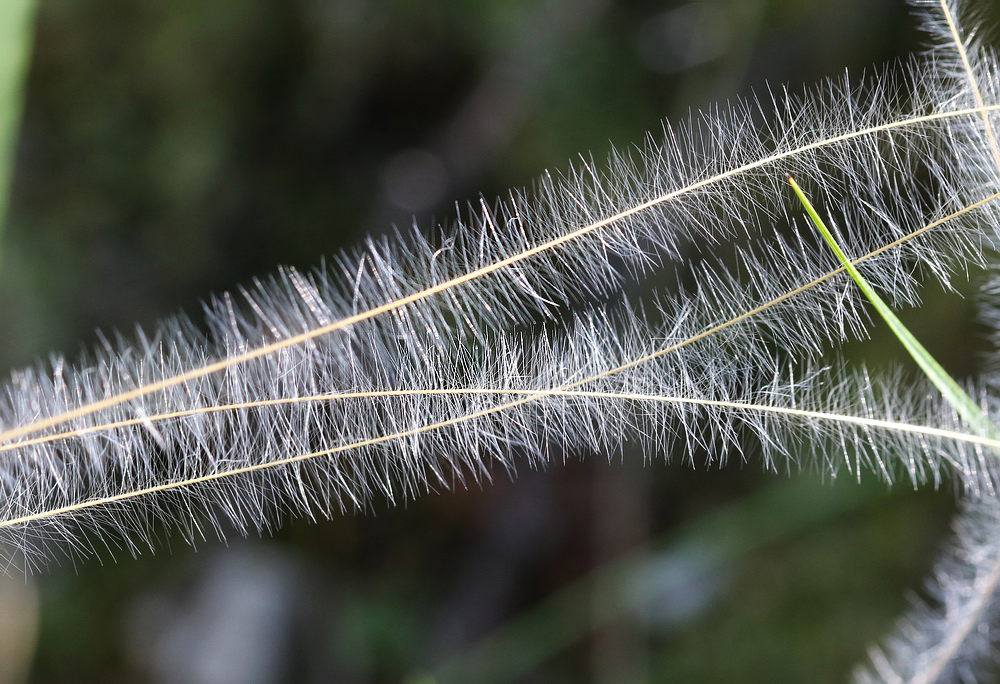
x=149, y=419
x=315, y=395
x=950, y=640
x=486, y=254
x=972, y=613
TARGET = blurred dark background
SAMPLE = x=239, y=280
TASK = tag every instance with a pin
x=172, y=150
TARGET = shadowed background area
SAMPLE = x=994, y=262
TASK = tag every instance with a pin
x=172, y=150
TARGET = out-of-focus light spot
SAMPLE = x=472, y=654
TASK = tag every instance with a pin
x=685, y=37
x=677, y=586
x=415, y=180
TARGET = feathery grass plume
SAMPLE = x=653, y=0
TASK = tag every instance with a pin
x=402, y=366
x=946, y=642
x=953, y=636
x=411, y=364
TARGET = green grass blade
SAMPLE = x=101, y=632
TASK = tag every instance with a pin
x=966, y=407
x=16, y=33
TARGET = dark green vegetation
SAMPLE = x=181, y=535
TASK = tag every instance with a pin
x=171, y=151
